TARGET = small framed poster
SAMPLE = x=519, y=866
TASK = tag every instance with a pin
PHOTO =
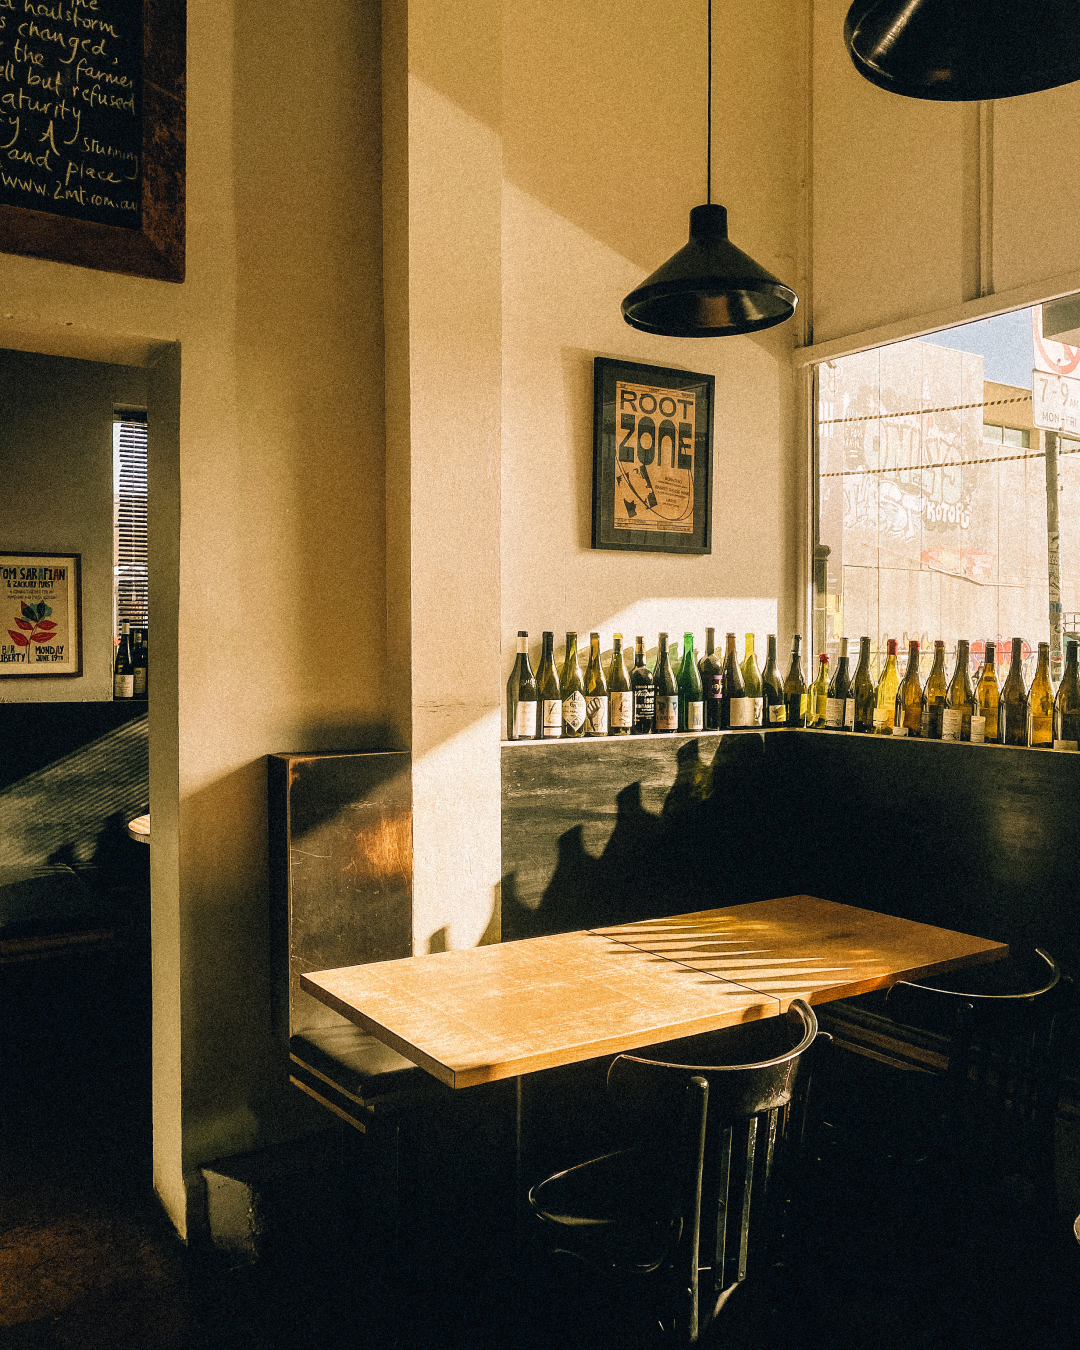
x=40, y=614
x=652, y=458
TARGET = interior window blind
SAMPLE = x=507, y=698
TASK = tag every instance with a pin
x=132, y=574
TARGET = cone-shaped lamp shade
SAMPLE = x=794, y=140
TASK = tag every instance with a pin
x=958, y=50
x=709, y=288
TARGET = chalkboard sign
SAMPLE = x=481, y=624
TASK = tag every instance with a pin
x=92, y=133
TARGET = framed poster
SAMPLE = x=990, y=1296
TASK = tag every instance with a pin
x=41, y=614
x=92, y=134
x=652, y=458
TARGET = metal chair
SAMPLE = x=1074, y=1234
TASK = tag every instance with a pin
x=678, y=1204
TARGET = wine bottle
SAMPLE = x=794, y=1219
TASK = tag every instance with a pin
x=795, y=687
x=549, y=701
x=521, y=695
x=124, y=666
x=596, y=692
x=736, y=710
x=862, y=689
x=959, y=699
x=141, y=658
x=667, y=691
x=573, y=691
x=773, y=708
x=907, y=715
x=1067, y=704
x=620, y=695
x=934, y=691
x=817, y=698
x=984, y=715
x=1012, y=707
x=711, y=670
x=643, y=686
x=1040, y=702
x=691, y=703
x=751, y=678
x=885, y=694
x=838, y=701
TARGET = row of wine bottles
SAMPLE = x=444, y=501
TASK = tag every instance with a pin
x=131, y=663
x=953, y=709
x=720, y=693
x=712, y=694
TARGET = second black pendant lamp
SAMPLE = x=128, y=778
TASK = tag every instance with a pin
x=960, y=50
x=709, y=288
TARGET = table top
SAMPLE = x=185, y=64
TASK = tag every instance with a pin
x=139, y=829
x=484, y=1013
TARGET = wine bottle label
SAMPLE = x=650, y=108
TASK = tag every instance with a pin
x=756, y=711
x=123, y=686
x=777, y=713
x=742, y=712
x=882, y=719
x=695, y=715
x=952, y=723
x=525, y=721
x=552, y=718
x=849, y=713
x=596, y=716
x=645, y=704
x=978, y=729
x=667, y=712
x=1042, y=730
x=573, y=710
x=900, y=731
x=1066, y=745
x=834, y=712
x=140, y=681
x=710, y=685
x=622, y=709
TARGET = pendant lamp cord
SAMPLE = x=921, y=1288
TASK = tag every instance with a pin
x=708, y=121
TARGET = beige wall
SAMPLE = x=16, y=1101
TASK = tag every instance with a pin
x=56, y=435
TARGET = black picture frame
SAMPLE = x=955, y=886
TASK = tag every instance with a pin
x=652, y=464
x=157, y=248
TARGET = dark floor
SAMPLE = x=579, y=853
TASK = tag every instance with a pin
x=875, y=1257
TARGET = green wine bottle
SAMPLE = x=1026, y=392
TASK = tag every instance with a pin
x=817, y=698
x=907, y=717
x=839, y=705
x=959, y=699
x=773, y=707
x=620, y=695
x=521, y=695
x=711, y=671
x=795, y=687
x=667, y=690
x=1067, y=704
x=933, y=699
x=573, y=691
x=550, y=692
x=596, y=691
x=1040, y=703
x=1012, y=707
x=751, y=678
x=862, y=690
x=691, y=704
x=736, y=710
x=643, y=685
x=984, y=713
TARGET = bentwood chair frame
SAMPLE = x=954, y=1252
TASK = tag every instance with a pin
x=713, y=1139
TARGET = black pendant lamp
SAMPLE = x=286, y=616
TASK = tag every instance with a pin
x=960, y=50
x=709, y=288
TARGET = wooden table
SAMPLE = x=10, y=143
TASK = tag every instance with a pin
x=485, y=1013
x=139, y=829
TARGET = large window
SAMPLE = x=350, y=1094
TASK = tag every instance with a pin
x=948, y=501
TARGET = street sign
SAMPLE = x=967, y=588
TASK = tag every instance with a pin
x=1055, y=402
x=1056, y=358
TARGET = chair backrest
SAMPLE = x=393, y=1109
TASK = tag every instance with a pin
x=753, y=1069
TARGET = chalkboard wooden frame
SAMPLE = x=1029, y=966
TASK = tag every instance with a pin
x=157, y=248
